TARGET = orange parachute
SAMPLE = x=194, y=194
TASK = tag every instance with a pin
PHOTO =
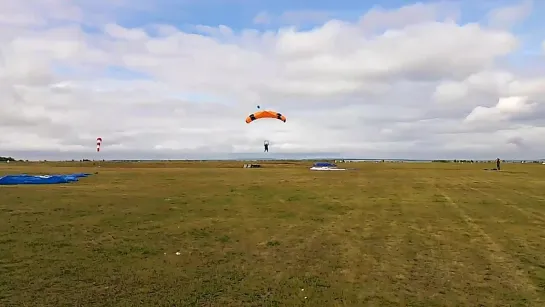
x=265, y=114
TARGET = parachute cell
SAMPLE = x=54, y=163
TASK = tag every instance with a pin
x=265, y=114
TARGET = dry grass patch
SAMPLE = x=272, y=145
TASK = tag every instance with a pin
x=385, y=235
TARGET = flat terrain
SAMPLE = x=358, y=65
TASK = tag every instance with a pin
x=402, y=234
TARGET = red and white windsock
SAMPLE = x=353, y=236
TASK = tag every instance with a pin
x=99, y=142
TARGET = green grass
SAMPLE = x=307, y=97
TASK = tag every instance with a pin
x=385, y=235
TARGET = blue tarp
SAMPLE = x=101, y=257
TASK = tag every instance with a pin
x=40, y=179
x=322, y=164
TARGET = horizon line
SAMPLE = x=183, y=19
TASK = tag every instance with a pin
x=275, y=159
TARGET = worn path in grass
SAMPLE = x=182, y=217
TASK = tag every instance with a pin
x=385, y=235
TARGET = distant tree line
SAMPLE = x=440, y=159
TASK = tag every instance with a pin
x=6, y=159
x=479, y=161
x=455, y=161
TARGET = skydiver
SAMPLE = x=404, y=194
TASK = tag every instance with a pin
x=498, y=164
x=266, y=147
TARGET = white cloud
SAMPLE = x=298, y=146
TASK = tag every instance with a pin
x=38, y=12
x=510, y=15
x=506, y=108
x=450, y=91
x=381, y=19
x=376, y=19
x=492, y=83
x=406, y=82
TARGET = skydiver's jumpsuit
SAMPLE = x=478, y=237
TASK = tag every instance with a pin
x=266, y=147
x=498, y=166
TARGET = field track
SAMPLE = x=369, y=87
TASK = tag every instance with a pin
x=387, y=234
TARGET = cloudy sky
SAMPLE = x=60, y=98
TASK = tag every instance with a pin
x=177, y=78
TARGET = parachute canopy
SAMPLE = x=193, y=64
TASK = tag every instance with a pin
x=324, y=164
x=265, y=114
x=40, y=179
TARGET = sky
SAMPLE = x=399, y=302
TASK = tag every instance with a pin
x=175, y=79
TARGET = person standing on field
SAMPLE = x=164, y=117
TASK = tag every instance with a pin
x=498, y=164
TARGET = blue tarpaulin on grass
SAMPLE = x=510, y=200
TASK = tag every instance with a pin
x=324, y=164
x=40, y=179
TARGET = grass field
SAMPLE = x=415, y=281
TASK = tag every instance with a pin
x=384, y=235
